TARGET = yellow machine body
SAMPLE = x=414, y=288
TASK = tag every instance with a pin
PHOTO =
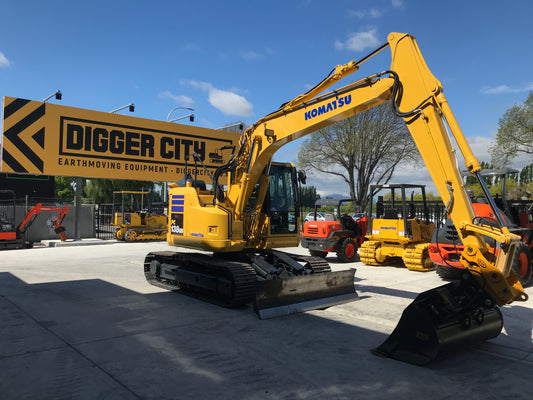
x=135, y=224
x=251, y=209
x=398, y=232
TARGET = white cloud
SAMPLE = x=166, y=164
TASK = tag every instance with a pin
x=361, y=14
x=4, y=62
x=506, y=89
x=250, y=55
x=359, y=41
x=374, y=13
x=229, y=103
x=176, y=98
x=192, y=47
x=397, y=3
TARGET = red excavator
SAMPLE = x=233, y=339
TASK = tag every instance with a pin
x=12, y=236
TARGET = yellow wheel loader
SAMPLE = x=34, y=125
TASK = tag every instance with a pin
x=134, y=218
x=398, y=231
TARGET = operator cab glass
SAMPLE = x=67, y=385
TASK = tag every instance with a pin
x=282, y=198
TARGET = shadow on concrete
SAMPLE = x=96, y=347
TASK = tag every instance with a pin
x=93, y=339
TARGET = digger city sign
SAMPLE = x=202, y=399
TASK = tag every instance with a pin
x=49, y=139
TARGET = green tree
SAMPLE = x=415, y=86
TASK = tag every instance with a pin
x=308, y=197
x=65, y=188
x=471, y=180
x=101, y=190
x=361, y=149
x=515, y=133
x=526, y=175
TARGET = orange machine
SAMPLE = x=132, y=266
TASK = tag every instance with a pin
x=12, y=236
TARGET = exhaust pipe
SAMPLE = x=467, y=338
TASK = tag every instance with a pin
x=441, y=320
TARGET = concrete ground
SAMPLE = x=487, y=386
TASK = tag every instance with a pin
x=80, y=322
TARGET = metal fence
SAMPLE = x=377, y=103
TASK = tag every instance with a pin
x=436, y=211
x=103, y=217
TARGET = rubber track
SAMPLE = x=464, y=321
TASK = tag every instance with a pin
x=415, y=258
x=367, y=252
x=143, y=234
x=316, y=264
x=243, y=277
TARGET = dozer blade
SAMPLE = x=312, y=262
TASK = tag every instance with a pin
x=303, y=293
x=442, y=320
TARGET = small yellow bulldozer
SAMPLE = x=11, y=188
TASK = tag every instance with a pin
x=398, y=230
x=134, y=221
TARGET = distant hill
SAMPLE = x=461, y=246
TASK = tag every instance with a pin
x=335, y=196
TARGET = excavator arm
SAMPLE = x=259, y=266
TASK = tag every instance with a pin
x=417, y=96
x=35, y=210
x=242, y=223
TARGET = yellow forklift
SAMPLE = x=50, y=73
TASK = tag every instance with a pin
x=135, y=219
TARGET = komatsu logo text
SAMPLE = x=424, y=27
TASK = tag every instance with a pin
x=325, y=108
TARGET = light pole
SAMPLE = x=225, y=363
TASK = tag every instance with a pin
x=191, y=119
x=131, y=107
x=190, y=116
x=57, y=95
x=239, y=125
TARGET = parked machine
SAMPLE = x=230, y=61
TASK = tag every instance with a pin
x=233, y=230
x=446, y=248
x=11, y=235
x=342, y=235
x=135, y=219
x=398, y=231
x=241, y=224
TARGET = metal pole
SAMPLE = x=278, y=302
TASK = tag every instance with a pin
x=77, y=214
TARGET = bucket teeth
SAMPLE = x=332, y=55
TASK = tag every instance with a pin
x=441, y=320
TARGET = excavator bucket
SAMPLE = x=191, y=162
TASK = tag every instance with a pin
x=441, y=320
x=303, y=293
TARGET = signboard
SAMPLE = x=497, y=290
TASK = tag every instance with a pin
x=49, y=139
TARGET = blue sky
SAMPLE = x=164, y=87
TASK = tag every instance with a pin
x=240, y=60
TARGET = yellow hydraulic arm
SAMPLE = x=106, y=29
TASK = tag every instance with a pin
x=418, y=97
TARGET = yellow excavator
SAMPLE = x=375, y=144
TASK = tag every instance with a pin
x=242, y=223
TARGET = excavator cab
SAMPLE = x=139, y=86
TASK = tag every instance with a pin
x=281, y=205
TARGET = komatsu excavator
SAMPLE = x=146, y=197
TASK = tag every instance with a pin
x=241, y=224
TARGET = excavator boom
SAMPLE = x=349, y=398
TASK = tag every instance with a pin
x=246, y=215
